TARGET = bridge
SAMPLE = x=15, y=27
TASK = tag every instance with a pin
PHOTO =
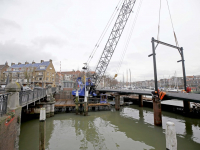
x=190, y=97
x=26, y=97
x=185, y=97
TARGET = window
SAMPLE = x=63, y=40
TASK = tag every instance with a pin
x=47, y=73
x=47, y=78
x=40, y=78
x=42, y=67
x=50, y=68
x=52, y=79
x=40, y=73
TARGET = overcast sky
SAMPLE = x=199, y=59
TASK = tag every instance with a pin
x=67, y=31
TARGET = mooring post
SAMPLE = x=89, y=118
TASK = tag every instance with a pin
x=171, y=141
x=140, y=100
x=86, y=104
x=42, y=129
x=76, y=102
x=117, y=102
x=157, y=111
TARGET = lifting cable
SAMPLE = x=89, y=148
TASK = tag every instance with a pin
x=159, y=23
x=104, y=32
x=128, y=38
x=176, y=41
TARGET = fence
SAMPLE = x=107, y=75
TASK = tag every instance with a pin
x=3, y=104
x=26, y=97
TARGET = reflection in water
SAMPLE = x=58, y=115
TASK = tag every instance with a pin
x=131, y=128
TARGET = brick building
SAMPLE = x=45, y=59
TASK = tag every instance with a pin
x=42, y=73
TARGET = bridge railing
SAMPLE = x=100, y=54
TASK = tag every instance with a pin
x=3, y=103
x=25, y=97
x=53, y=89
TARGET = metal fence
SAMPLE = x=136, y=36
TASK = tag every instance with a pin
x=53, y=89
x=26, y=97
x=3, y=104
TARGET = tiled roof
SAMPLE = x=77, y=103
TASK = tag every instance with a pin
x=37, y=65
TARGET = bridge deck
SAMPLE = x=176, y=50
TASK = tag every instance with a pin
x=179, y=96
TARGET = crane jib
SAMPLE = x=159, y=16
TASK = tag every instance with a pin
x=113, y=39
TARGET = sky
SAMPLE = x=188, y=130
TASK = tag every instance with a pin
x=68, y=30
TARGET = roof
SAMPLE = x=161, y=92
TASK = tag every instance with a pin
x=37, y=65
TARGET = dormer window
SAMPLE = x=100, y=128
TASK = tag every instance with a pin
x=42, y=67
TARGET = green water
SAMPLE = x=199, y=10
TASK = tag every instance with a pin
x=129, y=129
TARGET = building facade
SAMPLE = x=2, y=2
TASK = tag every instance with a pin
x=3, y=68
x=33, y=74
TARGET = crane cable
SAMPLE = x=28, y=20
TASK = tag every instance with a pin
x=104, y=31
x=176, y=41
x=128, y=39
x=159, y=22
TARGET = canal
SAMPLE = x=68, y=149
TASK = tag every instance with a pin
x=132, y=128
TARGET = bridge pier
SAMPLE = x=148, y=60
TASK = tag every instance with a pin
x=117, y=102
x=186, y=107
x=140, y=100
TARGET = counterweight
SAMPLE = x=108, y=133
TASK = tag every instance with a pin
x=113, y=39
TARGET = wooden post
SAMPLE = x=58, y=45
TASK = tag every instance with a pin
x=171, y=141
x=42, y=129
x=157, y=111
x=76, y=102
x=117, y=102
x=86, y=104
x=140, y=100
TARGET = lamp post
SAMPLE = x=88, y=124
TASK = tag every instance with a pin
x=86, y=92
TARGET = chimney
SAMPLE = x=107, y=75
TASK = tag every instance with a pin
x=50, y=60
x=19, y=63
x=26, y=63
x=6, y=63
x=33, y=62
x=42, y=61
x=12, y=64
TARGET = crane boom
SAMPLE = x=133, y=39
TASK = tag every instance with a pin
x=113, y=39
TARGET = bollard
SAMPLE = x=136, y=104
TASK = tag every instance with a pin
x=117, y=102
x=42, y=129
x=140, y=100
x=157, y=111
x=171, y=141
x=76, y=102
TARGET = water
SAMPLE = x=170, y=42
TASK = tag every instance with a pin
x=130, y=129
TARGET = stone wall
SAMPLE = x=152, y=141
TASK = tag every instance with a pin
x=10, y=130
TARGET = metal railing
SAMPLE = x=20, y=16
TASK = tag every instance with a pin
x=26, y=97
x=3, y=103
x=53, y=89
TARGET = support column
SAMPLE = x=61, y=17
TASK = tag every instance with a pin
x=186, y=107
x=117, y=102
x=47, y=110
x=76, y=102
x=157, y=111
x=86, y=104
x=140, y=100
x=42, y=129
x=52, y=110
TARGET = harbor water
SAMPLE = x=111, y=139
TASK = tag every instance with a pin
x=131, y=128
